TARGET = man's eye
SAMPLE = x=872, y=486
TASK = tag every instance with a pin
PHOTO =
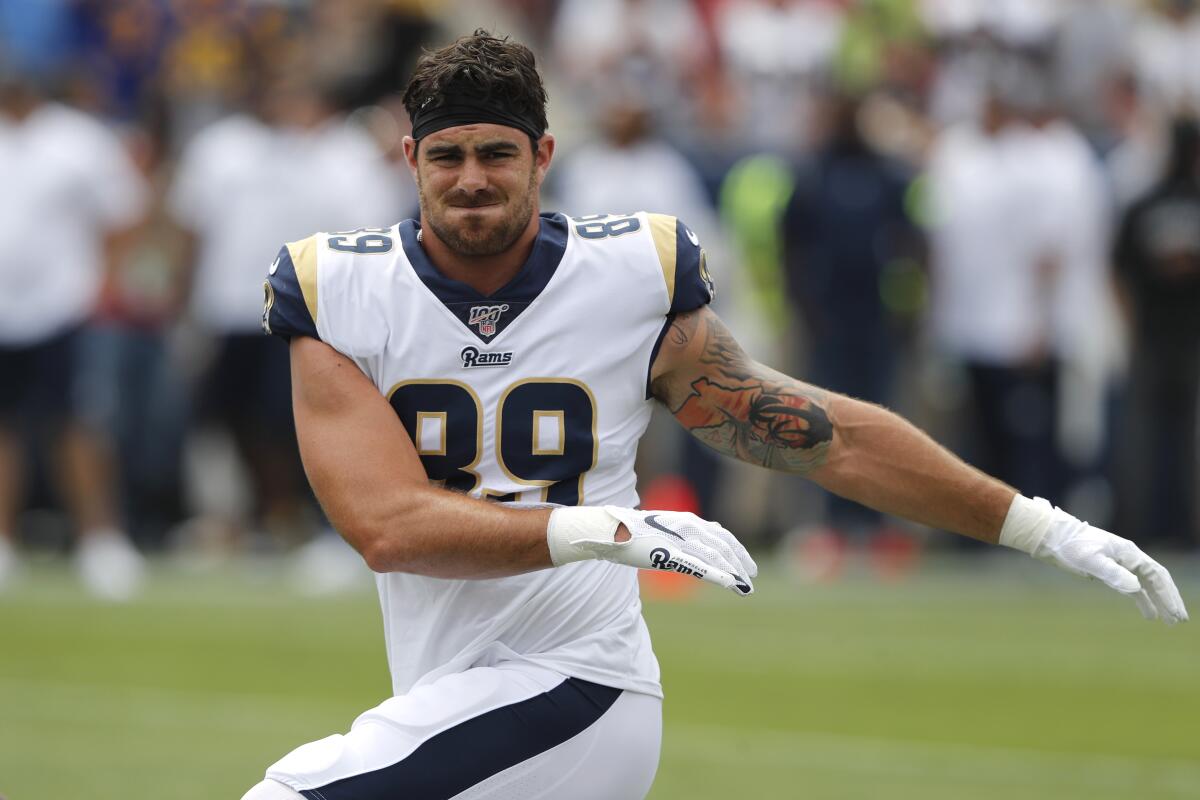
x=498, y=156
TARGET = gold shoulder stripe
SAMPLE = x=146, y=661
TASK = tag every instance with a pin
x=662, y=228
x=304, y=261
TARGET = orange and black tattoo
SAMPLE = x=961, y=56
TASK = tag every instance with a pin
x=739, y=407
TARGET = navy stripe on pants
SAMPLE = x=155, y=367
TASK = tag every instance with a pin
x=460, y=757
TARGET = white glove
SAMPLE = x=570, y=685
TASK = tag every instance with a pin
x=668, y=540
x=1054, y=536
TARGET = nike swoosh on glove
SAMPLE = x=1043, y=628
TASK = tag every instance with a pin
x=664, y=540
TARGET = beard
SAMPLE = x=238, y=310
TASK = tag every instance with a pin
x=472, y=235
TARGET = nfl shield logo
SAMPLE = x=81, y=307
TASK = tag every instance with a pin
x=486, y=317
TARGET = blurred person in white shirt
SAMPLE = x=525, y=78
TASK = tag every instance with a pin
x=972, y=37
x=1165, y=52
x=630, y=166
x=286, y=167
x=778, y=52
x=70, y=188
x=1087, y=338
x=1137, y=152
x=1016, y=244
x=662, y=42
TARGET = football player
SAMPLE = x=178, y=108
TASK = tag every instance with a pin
x=487, y=352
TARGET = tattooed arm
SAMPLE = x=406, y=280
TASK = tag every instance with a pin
x=855, y=449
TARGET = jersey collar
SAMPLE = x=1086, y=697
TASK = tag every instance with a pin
x=487, y=315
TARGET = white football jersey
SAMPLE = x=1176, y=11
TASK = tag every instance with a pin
x=537, y=393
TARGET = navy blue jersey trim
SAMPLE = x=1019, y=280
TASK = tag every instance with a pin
x=285, y=314
x=654, y=351
x=693, y=286
x=465, y=303
x=463, y=756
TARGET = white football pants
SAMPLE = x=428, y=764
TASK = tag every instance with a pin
x=513, y=731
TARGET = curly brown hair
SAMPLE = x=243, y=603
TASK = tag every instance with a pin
x=482, y=65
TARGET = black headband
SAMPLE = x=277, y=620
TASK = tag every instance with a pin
x=467, y=110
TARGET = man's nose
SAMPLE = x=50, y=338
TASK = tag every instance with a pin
x=472, y=177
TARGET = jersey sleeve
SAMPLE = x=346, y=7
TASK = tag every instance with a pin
x=290, y=304
x=682, y=259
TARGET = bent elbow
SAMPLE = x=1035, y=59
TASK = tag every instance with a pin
x=377, y=552
x=371, y=530
x=382, y=555
x=377, y=557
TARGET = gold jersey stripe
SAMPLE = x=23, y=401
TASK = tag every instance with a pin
x=662, y=228
x=304, y=261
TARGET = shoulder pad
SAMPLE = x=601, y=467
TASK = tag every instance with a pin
x=290, y=305
x=683, y=263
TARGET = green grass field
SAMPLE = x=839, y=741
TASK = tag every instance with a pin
x=995, y=680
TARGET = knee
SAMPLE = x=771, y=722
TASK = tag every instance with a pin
x=271, y=790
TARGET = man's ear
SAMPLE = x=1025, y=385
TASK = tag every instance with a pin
x=544, y=155
x=410, y=154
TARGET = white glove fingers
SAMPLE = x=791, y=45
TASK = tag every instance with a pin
x=719, y=543
x=693, y=558
x=700, y=549
x=1114, y=575
x=738, y=561
x=1166, y=596
x=711, y=538
x=679, y=542
x=1146, y=605
x=742, y=555
x=739, y=586
x=1160, y=588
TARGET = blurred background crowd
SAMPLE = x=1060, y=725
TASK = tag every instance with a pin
x=982, y=213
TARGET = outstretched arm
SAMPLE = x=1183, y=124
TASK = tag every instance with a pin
x=868, y=454
x=854, y=449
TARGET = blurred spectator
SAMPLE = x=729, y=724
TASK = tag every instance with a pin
x=1165, y=51
x=1157, y=257
x=1072, y=212
x=777, y=52
x=1089, y=53
x=121, y=51
x=140, y=382
x=1020, y=24
x=659, y=44
x=995, y=277
x=37, y=37
x=881, y=47
x=69, y=186
x=205, y=59
x=364, y=49
x=844, y=229
x=1134, y=156
x=629, y=167
x=959, y=89
x=244, y=186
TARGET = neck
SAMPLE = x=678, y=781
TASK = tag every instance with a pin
x=484, y=274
